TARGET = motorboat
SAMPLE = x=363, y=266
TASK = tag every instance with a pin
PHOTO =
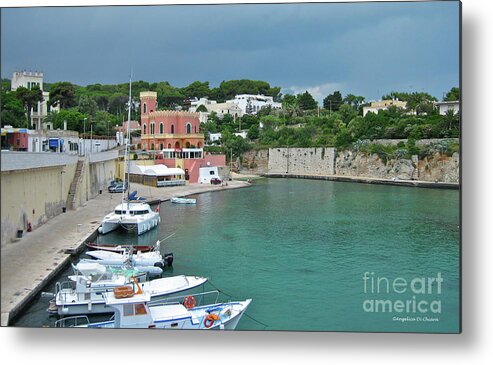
x=134, y=310
x=84, y=292
x=178, y=200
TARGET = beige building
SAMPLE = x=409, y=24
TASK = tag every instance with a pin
x=30, y=79
x=375, y=106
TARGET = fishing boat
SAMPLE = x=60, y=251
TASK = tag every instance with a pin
x=134, y=310
x=85, y=291
x=178, y=200
x=131, y=215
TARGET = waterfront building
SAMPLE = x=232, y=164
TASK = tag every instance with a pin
x=174, y=138
x=375, y=106
x=39, y=112
x=251, y=104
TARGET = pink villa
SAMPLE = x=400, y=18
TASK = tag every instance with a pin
x=174, y=137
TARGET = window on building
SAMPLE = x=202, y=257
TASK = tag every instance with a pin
x=189, y=128
x=161, y=146
x=152, y=146
x=152, y=128
x=161, y=128
x=172, y=128
x=145, y=129
x=145, y=108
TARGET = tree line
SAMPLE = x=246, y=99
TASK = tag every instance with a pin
x=301, y=122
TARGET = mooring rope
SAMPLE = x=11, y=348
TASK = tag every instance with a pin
x=245, y=314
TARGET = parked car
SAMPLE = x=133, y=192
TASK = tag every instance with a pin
x=118, y=188
x=216, y=181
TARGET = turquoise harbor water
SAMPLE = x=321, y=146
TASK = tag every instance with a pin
x=300, y=249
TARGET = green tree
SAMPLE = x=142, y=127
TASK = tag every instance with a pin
x=29, y=99
x=453, y=94
x=12, y=111
x=62, y=94
x=355, y=101
x=74, y=119
x=196, y=89
x=333, y=101
x=253, y=132
x=306, y=101
x=88, y=106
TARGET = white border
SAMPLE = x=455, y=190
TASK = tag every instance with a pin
x=49, y=346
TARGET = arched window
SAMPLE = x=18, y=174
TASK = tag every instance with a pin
x=152, y=128
x=145, y=128
x=169, y=145
x=161, y=147
x=177, y=144
x=188, y=145
x=152, y=146
x=189, y=128
x=172, y=128
x=199, y=145
x=145, y=108
x=161, y=128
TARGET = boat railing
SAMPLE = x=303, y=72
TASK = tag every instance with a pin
x=204, y=298
x=73, y=321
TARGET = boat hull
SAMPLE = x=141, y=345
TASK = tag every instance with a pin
x=195, y=320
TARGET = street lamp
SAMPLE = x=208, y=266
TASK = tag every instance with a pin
x=83, y=135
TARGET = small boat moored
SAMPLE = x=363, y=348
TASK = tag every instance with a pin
x=135, y=311
x=178, y=200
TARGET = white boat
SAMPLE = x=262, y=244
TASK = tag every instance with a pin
x=177, y=200
x=133, y=310
x=133, y=216
x=84, y=293
x=148, y=269
x=151, y=258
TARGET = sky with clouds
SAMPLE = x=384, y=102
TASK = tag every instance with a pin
x=367, y=49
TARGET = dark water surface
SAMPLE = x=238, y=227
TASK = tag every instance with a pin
x=300, y=249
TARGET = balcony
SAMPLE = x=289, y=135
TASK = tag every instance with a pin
x=172, y=135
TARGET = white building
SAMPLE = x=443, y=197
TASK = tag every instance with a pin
x=198, y=102
x=30, y=79
x=214, y=137
x=444, y=106
x=251, y=104
x=207, y=173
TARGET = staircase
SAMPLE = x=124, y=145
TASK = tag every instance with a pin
x=75, y=185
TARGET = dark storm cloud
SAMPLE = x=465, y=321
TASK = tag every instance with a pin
x=366, y=49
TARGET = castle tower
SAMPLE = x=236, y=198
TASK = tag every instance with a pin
x=148, y=102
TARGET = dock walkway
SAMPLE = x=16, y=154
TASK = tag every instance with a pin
x=32, y=261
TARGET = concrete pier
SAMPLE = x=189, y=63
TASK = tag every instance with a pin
x=370, y=180
x=29, y=263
